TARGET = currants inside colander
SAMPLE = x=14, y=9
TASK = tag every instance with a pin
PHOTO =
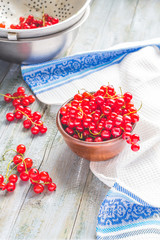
x=68, y=12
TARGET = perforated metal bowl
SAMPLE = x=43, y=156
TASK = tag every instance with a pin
x=68, y=12
x=40, y=49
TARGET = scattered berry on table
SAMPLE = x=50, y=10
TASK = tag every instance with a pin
x=38, y=179
x=21, y=102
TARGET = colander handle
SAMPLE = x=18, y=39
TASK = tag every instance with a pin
x=12, y=36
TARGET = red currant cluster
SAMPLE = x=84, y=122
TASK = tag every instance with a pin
x=20, y=101
x=101, y=116
x=30, y=22
x=38, y=179
x=2, y=25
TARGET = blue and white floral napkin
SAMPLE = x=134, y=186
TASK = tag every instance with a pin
x=131, y=209
x=123, y=215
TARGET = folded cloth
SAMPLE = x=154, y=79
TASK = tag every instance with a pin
x=123, y=215
x=55, y=81
x=131, y=208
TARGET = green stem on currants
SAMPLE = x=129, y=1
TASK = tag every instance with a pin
x=4, y=95
x=134, y=111
x=29, y=118
x=95, y=134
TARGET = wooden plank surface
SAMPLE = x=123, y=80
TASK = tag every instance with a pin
x=71, y=211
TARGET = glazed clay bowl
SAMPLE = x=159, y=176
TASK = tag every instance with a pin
x=92, y=151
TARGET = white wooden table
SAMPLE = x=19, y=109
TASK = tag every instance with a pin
x=71, y=211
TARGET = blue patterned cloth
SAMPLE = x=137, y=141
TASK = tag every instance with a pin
x=124, y=215
x=62, y=75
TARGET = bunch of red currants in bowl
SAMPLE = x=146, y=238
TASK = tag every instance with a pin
x=101, y=116
x=31, y=22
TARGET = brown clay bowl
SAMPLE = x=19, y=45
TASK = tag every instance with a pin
x=92, y=151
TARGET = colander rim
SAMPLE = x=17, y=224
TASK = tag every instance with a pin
x=8, y=30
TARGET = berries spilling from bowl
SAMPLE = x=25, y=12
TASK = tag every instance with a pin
x=101, y=116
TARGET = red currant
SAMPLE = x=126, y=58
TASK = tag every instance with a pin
x=52, y=187
x=127, y=137
x=1, y=179
x=2, y=186
x=34, y=174
x=49, y=180
x=116, y=131
x=134, y=117
x=13, y=178
x=28, y=162
x=43, y=129
x=98, y=139
x=17, y=159
x=21, y=90
x=19, y=107
x=31, y=99
x=27, y=111
x=8, y=97
x=78, y=97
x=127, y=97
x=106, y=135
x=21, y=167
x=38, y=188
x=10, y=117
x=25, y=102
x=10, y=187
x=21, y=148
x=128, y=127
x=99, y=100
x=35, y=130
x=43, y=176
x=18, y=115
x=135, y=138
x=135, y=147
x=16, y=102
x=24, y=176
x=27, y=124
x=36, y=115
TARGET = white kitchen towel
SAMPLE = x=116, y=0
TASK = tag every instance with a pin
x=55, y=81
x=132, y=211
x=135, y=67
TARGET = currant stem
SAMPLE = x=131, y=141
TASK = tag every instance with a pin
x=6, y=177
x=29, y=118
x=134, y=111
x=11, y=97
x=81, y=112
x=3, y=156
x=43, y=183
x=79, y=135
x=121, y=91
x=94, y=133
x=43, y=17
x=139, y=107
x=8, y=166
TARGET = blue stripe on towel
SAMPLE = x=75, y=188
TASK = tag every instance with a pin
x=123, y=214
x=50, y=75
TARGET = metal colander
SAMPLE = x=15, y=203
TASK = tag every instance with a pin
x=67, y=11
